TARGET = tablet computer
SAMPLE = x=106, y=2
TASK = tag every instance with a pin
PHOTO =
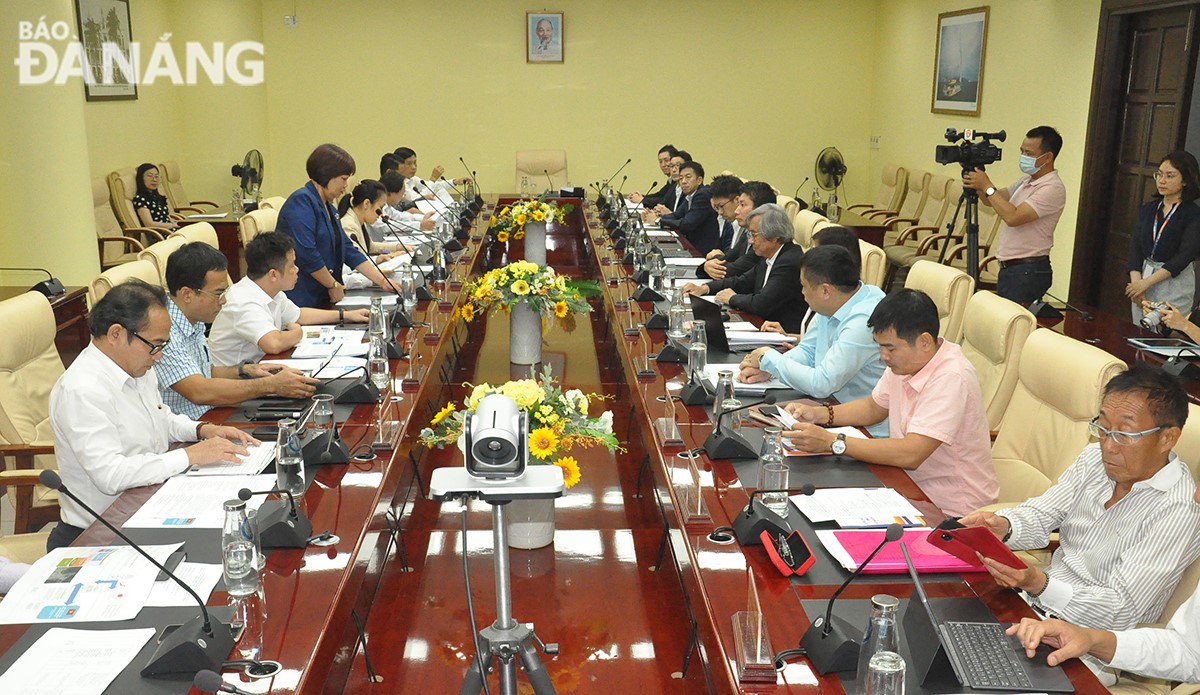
x=964, y=541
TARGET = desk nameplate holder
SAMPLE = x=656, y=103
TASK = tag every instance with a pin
x=752, y=646
x=666, y=429
x=386, y=426
x=645, y=372
x=691, y=494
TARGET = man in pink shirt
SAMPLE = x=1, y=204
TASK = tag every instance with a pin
x=1030, y=209
x=930, y=394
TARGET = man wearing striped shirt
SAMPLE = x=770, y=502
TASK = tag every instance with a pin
x=1125, y=510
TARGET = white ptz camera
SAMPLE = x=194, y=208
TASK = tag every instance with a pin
x=497, y=437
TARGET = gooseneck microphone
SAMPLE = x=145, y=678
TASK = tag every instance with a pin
x=548, y=180
x=444, y=212
x=830, y=642
x=757, y=517
x=724, y=443
x=614, y=174
x=281, y=525
x=796, y=195
x=399, y=319
x=475, y=180
x=207, y=681
x=199, y=643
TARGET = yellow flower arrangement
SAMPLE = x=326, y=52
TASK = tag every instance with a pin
x=502, y=236
x=546, y=292
x=511, y=219
x=559, y=421
x=467, y=311
x=561, y=309
x=520, y=287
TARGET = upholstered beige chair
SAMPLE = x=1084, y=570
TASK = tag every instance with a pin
x=994, y=334
x=171, y=181
x=122, y=187
x=789, y=205
x=275, y=202
x=256, y=222
x=949, y=289
x=535, y=164
x=158, y=254
x=116, y=245
x=1060, y=382
x=943, y=198
x=805, y=224
x=140, y=269
x=910, y=209
x=892, y=189
x=874, y=263
x=29, y=367
x=21, y=547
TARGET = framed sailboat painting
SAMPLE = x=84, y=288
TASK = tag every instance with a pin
x=958, y=62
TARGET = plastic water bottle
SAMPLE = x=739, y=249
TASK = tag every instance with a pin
x=289, y=459
x=880, y=636
x=238, y=562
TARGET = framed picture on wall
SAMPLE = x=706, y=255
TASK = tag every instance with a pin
x=104, y=23
x=543, y=37
x=958, y=61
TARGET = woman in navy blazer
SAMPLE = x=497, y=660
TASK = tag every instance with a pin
x=311, y=220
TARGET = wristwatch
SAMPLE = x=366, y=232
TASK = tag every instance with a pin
x=839, y=445
x=242, y=370
x=989, y=192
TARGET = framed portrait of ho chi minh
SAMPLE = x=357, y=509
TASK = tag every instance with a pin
x=543, y=37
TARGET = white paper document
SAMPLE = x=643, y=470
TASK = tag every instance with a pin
x=660, y=233
x=201, y=577
x=757, y=338
x=209, y=216
x=847, y=507
x=197, y=501
x=96, y=658
x=323, y=341
x=364, y=300
x=250, y=464
x=789, y=448
x=684, y=261
x=739, y=388
x=84, y=584
x=337, y=368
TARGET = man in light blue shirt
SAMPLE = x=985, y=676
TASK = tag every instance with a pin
x=837, y=355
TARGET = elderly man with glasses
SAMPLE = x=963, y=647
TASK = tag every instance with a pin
x=190, y=384
x=1125, y=511
x=111, y=429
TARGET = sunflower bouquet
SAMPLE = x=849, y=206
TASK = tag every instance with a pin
x=545, y=291
x=559, y=421
x=509, y=222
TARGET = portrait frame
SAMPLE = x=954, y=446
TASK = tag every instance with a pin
x=959, y=55
x=99, y=22
x=537, y=50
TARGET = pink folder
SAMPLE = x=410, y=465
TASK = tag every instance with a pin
x=890, y=560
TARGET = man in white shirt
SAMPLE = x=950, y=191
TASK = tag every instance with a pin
x=258, y=318
x=111, y=429
x=394, y=222
x=190, y=385
x=417, y=187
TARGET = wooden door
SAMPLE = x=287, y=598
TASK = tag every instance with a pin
x=1146, y=81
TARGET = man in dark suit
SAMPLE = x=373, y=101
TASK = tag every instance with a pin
x=771, y=289
x=739, y=257
x=664, y=163
x=694, y=217
x=668, y=198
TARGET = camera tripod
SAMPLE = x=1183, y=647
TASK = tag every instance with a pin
x=506, y=639
x=968, y=202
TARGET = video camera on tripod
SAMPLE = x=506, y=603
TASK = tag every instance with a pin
x=972, y=155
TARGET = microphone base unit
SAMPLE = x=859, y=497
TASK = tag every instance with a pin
x=722, y=445
x=320, y=450
x=658, y=321
x=1177, y=366
x=400, y=318
x=672, y=352
x=453, y=245
x=694, y=393
x=642, y=277
x=189, y=649
x=423, y=295
x=756, y=518
x=51, y=288
x=835, y=650
x=629, y=257
x=279, y=529
x=395, y=351
x=360, y=391
x=645, y=294
x=438, y=273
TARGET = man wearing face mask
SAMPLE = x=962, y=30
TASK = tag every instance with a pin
x=1029, y=209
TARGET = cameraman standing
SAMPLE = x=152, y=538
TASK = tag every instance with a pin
x=1030, y=209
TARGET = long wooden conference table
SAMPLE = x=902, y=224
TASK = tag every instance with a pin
x=635, y=597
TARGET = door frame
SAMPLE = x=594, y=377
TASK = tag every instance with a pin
x=1102, y=141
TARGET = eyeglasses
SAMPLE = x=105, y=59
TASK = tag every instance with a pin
x=785, y=552
x=753, y=234
x=1167, y=175
x=154, y=349
x=219, y=294
x=1121, y=438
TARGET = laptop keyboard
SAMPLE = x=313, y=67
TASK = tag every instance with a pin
x=986, y=654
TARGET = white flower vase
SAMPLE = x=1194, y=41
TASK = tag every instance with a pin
x=530, y=523
x=535, y=242
x=525, y=335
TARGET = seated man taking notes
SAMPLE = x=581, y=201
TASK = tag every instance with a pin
x=771, y=288
x=258, y=319
x=111, y=429
x=931, y=398
x=189, y=382
x=1125, y=512
x=836, y=357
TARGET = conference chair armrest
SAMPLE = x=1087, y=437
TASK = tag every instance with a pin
x=993, y=434
x=149, y=232
x=876, y=214
x=130, y=243
x=911, y=233
x=863, y=206
x=931, y=241
x=203, y=202
x=198, y=211
x=22, y=455
x=891, y=222
x=1185, y=689
x=19, y=478
x=983, y=264
x=176, y=216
